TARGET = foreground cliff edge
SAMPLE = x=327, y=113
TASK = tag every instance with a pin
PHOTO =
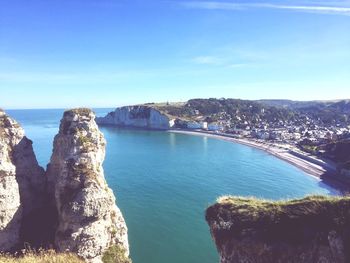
x=313, y=229
x=73, y=199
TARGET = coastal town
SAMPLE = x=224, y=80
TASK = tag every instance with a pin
x=290, y=133
x=307, y=136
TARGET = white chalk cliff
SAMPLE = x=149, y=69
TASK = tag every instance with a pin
x=136, y=116
x=89, y=222
x=22, y=187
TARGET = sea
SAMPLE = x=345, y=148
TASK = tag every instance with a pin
x=164, y=182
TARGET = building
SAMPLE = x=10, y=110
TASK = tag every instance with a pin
x=204, y=125
x=193, y=125
x=215, y=127
x=171, y=123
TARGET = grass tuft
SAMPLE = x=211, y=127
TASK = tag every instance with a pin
x=115, y=254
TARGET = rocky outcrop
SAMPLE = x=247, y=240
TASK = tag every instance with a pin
x=89, y=222
x=136, y=116
x=72, y=207
x=10, y=205
x=22, y=187
x=313, y=229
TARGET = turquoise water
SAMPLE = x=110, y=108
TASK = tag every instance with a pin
x=164, y=182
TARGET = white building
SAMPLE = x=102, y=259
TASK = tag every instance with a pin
x=172, y=123
x=204, y=125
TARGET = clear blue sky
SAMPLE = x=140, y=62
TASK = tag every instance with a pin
x=102, y=53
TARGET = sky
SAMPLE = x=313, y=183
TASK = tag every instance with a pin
x=107, y=53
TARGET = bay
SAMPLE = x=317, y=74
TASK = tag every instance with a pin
x=164, y=181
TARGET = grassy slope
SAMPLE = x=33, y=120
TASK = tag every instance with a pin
x=252, y=210
x=42, y=257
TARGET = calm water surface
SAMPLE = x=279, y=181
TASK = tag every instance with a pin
x=164, y=182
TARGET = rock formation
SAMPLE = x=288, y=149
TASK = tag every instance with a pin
x=71, y=207
x=136, y=116
x=22, y=187
x=10, y=205
x=313, y=229
x=89, y=222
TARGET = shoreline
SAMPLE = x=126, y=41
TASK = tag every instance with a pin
x=311, y=165
x=323, y=170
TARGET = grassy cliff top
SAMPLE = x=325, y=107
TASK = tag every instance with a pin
x=172, y=110
x=294, y=220
x=42, y=257
x=252, y=209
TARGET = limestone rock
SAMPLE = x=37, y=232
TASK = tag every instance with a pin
x=314, y=229
x=136, y=116
x=89, y=222
x=22, y=186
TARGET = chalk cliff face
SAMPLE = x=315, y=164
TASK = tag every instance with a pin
x=22, y=186
x=89, y=222
x=314, y=229
x=136, y=116
x=10, y=205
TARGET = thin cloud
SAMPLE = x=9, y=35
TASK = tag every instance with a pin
x=219, y=61
x=337, y=10
x=207, y=60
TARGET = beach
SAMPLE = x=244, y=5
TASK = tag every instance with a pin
x=310, y=164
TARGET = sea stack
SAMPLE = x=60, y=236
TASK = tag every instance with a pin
x=313, y=229
x=22, y=188
x=89, y=222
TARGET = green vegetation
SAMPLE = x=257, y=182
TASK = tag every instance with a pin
x=115, y=254
x=83, y=169
x=286, y=221
x=254, y=208
x=338, y=151
x=49, y=256
x=216, y=109
x=255, y=112
x=309, y=148
x=328, y=112
x=86, y=142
